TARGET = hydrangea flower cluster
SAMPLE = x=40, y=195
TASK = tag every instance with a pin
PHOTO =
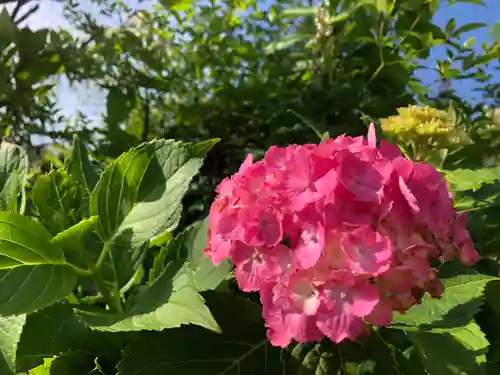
x=336, y=235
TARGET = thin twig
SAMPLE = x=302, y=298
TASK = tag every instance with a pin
x=25, y=16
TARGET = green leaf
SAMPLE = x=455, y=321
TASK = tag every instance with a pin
x=74, y=363
x=299, y=12
x=472, y=338
x=241, y=349
x=495, y=32
x=73, y=238
x=478, y=2
x=7, y=27
x=82, y=172
x=451, y=25
x=169, y=302
x=206, y=275
x=118, y=107
x=461, y=300
x=13, y=173
x=43, y=369
x=471, y=179
x=11, y=328
x=382, y=6
x=316, y=358
x=57, y=329
x=468, y=27
x=286, y=42
x=189, y=245
x=33, y=272
x=139, y=195
x=177, y=5
x=452, y=352
x=57, y=200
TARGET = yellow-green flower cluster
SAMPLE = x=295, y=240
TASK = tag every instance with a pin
x=424, y=126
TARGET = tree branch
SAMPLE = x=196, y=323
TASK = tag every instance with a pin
x=26, y=15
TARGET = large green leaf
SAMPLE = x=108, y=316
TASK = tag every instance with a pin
x=242, y=348
x=82, y=172
x=11, y=328
x=168, y=302
x=207, y=276
x=33, y=272
x=471, y=179
x=57, y=200
x=139, y=196
x=57, y=329
x=461, y=300
x=458, y=351
x=13, y=170
x=189, y=245
x=74, y=363
x=43, y=369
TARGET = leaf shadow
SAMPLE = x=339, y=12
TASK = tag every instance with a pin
x=457, y=316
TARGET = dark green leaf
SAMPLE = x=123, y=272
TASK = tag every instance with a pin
x=316, y=358
x=82, y=172
x=57, y=200
x=241, y=349
x=118, y=107
x=57, y=329
x=7, y=27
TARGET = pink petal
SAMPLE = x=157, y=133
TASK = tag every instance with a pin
x=372, y=136
x=381, y=314
x=340, y=327
x=310, y=245
x=365, y=298
x=366, y=251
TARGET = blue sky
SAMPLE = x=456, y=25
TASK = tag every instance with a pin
x=464, y=13
x=92, y=102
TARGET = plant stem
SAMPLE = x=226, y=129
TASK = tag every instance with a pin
x=111, y=299
x=102, y=256
x=80, y=271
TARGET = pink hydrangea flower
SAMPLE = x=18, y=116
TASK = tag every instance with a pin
x=336, y=236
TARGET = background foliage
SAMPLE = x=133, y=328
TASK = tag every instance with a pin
x=102, y=226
